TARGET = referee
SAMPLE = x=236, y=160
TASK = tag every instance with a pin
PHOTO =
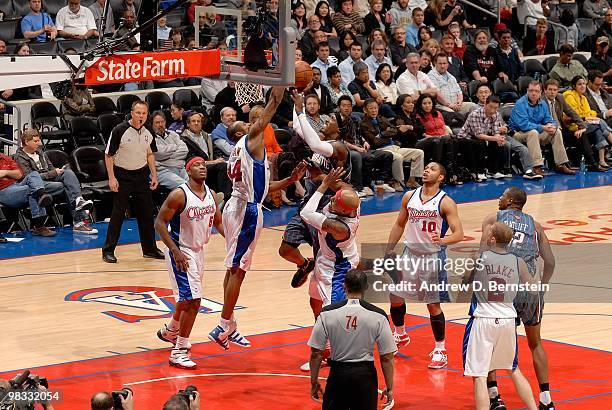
x=129, y=161
x=352, y=327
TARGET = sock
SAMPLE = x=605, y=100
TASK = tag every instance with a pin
x=224, y=323
x=173, y=325
x=181, y=342
x=440, y=345
x=492, y=386
x=545, y=393
x=398, y=314
x=438, y=326
x=400, y=330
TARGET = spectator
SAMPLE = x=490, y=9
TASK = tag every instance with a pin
x=78, y=102
x=450, y=96
x=362, y=87
x=210, y=31
x=453, y=12
x=605, y=29
x=414, y=82
x=570, y=35
x=192, y=7
x=97, y=8
x=38, y=25
x=129, y=22
x=104, y=401
x=497, y=31
x=480, y=60
x=533, y=124
x=346, y=66
x=379, y=134
x=270, y=24
x=322, y=11
x=409, y=129
x=433, y=13
x=323, y=61
x=2, y=47
x=400, y=14
x=424, y=35
x=455, y=65
x=566, y=68
x=399, y=48
x=17, y=190
x=385, y=84
x=377, y=58
x=454, y=29
x=412, y=29
x=535, y=8
x=599, y=100
x=482, y=93
x=433, y=47
x=171, y=154
x=163, y=31
x=335, y=86
x=200, y=144
x=346, y=39
x=317, y=120
x=345, y=19
x=22, y=93
x=601, y=60
x=363, y=159
x=76, y=22
x=311, y=37
x=298, y=55
x=595, y=9
x=425, y=58
x=539, y=41
x=508, y=58
x=577, y=100
x=298, y=18
x=227, y=98
x=223, y=146
x=321, y=91
x=378, y=17
x=485, y=124
x=574, y=128
x=178, y=114
x=176, y=35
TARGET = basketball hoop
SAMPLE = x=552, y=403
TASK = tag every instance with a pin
x=247, y=93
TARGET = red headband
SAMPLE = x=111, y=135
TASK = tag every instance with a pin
x=193, y=161
x=340, y=203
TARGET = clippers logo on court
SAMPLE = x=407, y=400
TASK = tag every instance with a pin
x=198, y=213
x=136, y=303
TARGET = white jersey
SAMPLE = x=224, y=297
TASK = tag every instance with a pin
x=250, y=177
x=424, y=218
x=191, y=227
x=499, y=269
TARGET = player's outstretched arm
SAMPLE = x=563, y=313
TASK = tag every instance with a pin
x=218, y=219
x=276, y=97
x=173, y=204
x=450, y=212
x=400, y=223
x=298, y=172
x=546, y=253
x=303, y=128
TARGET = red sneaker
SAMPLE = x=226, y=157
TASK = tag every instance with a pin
x=401, y=340
x=438, y=359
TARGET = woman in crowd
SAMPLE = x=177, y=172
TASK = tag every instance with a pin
x=346, y=39
x=432, y=46
x=322, y=11
x=298, y=18
x=176, y=35
x=424, y=35
x=335, y=86
x=409, y=129
x=377, y=17
x=385, y=85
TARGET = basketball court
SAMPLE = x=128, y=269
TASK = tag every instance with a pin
x=88, y=326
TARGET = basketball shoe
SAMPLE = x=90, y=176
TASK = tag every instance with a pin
x=497, y=404
x=167, y=335
x=438, y=359
x=300, y=277
x=326, y=353
x=235, y=337
x=219, y=336
x=401, y=340
x=549, y=406
x=180, y=358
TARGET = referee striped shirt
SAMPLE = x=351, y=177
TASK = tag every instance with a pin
x=129, y=146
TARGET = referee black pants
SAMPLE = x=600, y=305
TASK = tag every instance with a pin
x=351, y=385
x=136, y=184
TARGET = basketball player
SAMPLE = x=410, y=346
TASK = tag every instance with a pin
x=191, y=210
x=249, y=171
x=425, y=216
x=327, y=156
x=529, y=242
x=336, y=227
x=489, y=342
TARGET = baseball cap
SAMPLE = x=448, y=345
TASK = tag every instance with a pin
x=602, y=40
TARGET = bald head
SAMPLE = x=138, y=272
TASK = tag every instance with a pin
x=236, y=130
x=101, y=401
x=346, y=202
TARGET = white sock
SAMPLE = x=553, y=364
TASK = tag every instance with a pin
x=400, y=330
x=545, y=397
x=173, y=325
x=440, y=345
x=493, y=392
x=181, y=342
x=224, y=323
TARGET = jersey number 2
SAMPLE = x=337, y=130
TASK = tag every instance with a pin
x=429, y=226
x=235, y=171
x=351, y=322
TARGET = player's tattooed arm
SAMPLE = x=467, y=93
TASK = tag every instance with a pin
x=546, y=253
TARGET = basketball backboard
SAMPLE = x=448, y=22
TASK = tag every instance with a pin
x=228, y=31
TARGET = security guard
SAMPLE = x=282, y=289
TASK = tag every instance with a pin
x=352, y=327
x=129, y=161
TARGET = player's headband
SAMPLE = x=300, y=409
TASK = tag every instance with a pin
x=192, y=161
x=340, y=203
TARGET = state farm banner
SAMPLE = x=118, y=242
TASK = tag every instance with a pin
x=123, y=68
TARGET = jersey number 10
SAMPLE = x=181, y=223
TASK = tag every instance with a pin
x=429, y=226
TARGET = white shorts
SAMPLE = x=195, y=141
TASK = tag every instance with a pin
x=242, y=223
x=327, y=281
x=423, y=270
x=186, y=285
x=489, y=344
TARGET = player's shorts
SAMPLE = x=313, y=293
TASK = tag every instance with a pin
x=242, y=223
x=186, y=285
x=489, y=344
x=529, y=307
x=327, y=281
x=425, y=278
x=298, y=232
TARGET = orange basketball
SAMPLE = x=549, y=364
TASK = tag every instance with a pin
x=303, y=74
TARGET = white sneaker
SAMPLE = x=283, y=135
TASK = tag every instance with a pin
x=368, y=191
x=439, y=359
x=82, y=203
x=481, y=177
x=497, y=175
x=83, y=228
x=387, y=188
x=165, y=334
x=180, y=358
x=401, y=340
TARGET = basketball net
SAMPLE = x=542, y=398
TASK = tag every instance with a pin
x=247, y=93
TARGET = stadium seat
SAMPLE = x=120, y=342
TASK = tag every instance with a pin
x=587, y=26
x=505, y=112
x=125, y=101
x=47, y=47
x=534, y=68
x=580, y=57
x=158, y=100
x=79, y=45
x=104, y=105
x=8, y=30
x=53, y=6
x=106, y=123
x=7, y=7
x=57, y=157
x=21, y=8
x=89, y=162
x=85, y=132
x=550, y=62
x=334, y=43
x=188, y=98
x=504, y=90
x=47, y=120
x=523, y=83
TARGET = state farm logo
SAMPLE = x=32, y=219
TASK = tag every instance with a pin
x=198, y=213
x=111, y=70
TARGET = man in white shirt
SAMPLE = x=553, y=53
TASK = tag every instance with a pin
x=346, y=66
x=324, y=61
x=450, y=97
x=415, y=82
x=535, y=8
x=76, y=22
x=377, y=58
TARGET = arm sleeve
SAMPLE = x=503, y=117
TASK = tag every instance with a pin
x=309, y=213
x=311, y=137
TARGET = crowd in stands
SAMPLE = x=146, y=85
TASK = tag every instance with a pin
x=400, y=83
